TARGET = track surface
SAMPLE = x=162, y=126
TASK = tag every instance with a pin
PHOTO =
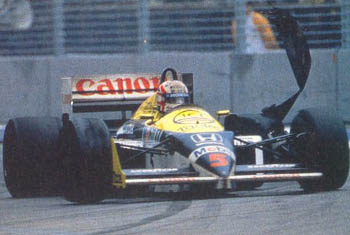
x=275, y=208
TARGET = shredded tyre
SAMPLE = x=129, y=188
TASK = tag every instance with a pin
x=324, y=149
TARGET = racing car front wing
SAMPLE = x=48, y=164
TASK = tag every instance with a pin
x=259, y=172
x=235, y=178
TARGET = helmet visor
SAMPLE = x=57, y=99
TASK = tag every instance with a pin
x=177, y=98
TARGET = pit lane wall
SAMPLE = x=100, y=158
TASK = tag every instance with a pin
x=244, y=83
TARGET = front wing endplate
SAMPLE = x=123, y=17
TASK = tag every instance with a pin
x=119, y=178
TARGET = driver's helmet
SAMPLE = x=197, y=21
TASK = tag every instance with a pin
x=171, y=94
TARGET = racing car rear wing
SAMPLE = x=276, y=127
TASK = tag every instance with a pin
x=122, y=93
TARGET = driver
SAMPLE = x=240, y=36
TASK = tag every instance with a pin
x=171, y=94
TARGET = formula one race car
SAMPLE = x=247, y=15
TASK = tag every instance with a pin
x=170, y=141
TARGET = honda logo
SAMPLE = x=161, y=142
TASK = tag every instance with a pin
x=207, y=138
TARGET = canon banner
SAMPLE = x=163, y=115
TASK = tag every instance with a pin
x=115, y=87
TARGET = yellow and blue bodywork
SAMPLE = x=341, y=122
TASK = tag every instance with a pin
x=188, y=129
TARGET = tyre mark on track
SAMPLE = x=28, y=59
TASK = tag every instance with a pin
x=58, y=212
x=211, y=211
x=174, y=208
x=203, y=214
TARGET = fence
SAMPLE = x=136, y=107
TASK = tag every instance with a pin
x=129, y=26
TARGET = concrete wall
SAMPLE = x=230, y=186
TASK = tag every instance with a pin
x=267, y=79
x=343, y=91
x=24, y=88
x=31, y=87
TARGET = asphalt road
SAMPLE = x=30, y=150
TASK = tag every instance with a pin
x=275, y=208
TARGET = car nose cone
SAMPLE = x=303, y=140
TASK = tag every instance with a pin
x=220, y=164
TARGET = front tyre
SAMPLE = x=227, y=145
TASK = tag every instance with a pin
x=87, y=160
x=324, y=149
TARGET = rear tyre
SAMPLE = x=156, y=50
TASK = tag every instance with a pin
x=325, y=149
x=30, y=157
x=87, y=160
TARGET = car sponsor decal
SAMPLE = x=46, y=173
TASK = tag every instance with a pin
x=197, y=153
x=207, y=138
x=259, y=156
x=130, y=143
x=218, y=160
x=192, y=117
x=271, y=166
x=247, y=138
x=159, y=170
x=201, y=126
x=116, y=87
x=150, y=134
x=214, y=160
x=126, y=129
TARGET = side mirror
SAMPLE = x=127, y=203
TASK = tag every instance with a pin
x=147, y=116
x=148, y=122
x=221, y=113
